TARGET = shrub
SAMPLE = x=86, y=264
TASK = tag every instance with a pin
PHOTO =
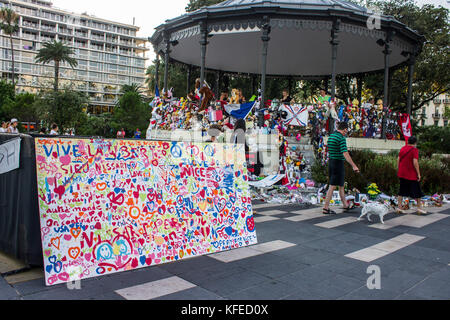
x=319, y=173
x=382, y=170
x=433, y=139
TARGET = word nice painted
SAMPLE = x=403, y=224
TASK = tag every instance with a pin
x=109, y=206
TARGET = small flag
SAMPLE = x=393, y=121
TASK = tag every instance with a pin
x=240, y=111
x=297, y=115
x=405, y=123
x=215, y=115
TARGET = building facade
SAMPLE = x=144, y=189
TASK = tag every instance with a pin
x=109, y=54
x=433, y=113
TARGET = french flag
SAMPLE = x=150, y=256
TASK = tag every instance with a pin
x=215, y=115
x=240, y=111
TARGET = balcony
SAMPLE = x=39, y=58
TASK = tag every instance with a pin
x=111, y=40
x=437, y=115
x=48, y=28
x=97, y=38
x=66, y=31
x=31, y=25
x=81, y=34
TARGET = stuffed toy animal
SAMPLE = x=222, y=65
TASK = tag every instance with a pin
x=235, y=96
x=380, y=105
x=207, y=95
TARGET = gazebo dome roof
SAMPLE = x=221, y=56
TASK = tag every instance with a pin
x=294, y=4
x=299, y=39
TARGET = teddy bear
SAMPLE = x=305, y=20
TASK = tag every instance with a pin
x=235, y=96
x=207, y=97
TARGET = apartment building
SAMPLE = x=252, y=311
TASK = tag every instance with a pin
x=433, y=113
x=109, y=54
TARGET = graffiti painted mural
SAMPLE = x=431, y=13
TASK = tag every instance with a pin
x=109, y=206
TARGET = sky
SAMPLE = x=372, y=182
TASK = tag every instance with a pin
x=148, y=14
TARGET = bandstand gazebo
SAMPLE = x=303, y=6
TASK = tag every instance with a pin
x=299, y=39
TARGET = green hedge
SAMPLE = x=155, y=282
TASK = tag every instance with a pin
x=382, y=170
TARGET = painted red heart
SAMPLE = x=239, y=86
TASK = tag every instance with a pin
x=60, y=191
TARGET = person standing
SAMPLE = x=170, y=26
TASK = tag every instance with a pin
x=55, y=130
x=286, y=99
x=121, y=134
x=409, y=175
x=4, y=127
x=137, y=134
x=338, y=154
x=323, y=97
x=13, y=126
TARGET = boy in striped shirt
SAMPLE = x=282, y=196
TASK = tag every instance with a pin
x=338, y=153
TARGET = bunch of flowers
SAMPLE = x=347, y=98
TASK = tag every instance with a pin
x=373, y=191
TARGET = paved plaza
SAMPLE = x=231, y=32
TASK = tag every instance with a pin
x=301, y=255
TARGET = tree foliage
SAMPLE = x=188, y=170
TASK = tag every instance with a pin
x=9, y=23
x=432, y=76
x=7, y=96
x=130, y=113
x=57, y=53
x=65, y=108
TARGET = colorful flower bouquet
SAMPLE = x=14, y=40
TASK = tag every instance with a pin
x=373, y=191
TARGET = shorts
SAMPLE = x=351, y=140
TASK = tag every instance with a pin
x=410, y=188
x=336, y=171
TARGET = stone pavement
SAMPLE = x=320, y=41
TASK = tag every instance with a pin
x=300, y=255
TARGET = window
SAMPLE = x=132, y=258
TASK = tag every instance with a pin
x=82, y=64
x=112, y=57
x=94, y=65
x=112, y=68
x=123, y=69
x=26, y=67
x=95, y=76
x=82, y=74
x=123, y=60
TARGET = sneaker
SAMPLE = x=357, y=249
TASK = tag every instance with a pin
x=420, y=211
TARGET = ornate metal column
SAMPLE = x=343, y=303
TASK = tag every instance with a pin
x=387, y=51
x=157, y=71
x=411, y=65
x=265, y=39
x=166, y=60
x=359, y=83
x=203, y=44
x=334, y=48
x=217, y=86
x=188, y=80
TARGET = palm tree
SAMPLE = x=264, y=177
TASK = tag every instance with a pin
x=134, y=87
x=9, y=23
x=57, y=52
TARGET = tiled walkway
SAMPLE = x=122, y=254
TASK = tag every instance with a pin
x=301, y=254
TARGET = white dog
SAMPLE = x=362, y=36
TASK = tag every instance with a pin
x=376, y=208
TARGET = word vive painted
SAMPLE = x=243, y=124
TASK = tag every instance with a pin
x=108, y=206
